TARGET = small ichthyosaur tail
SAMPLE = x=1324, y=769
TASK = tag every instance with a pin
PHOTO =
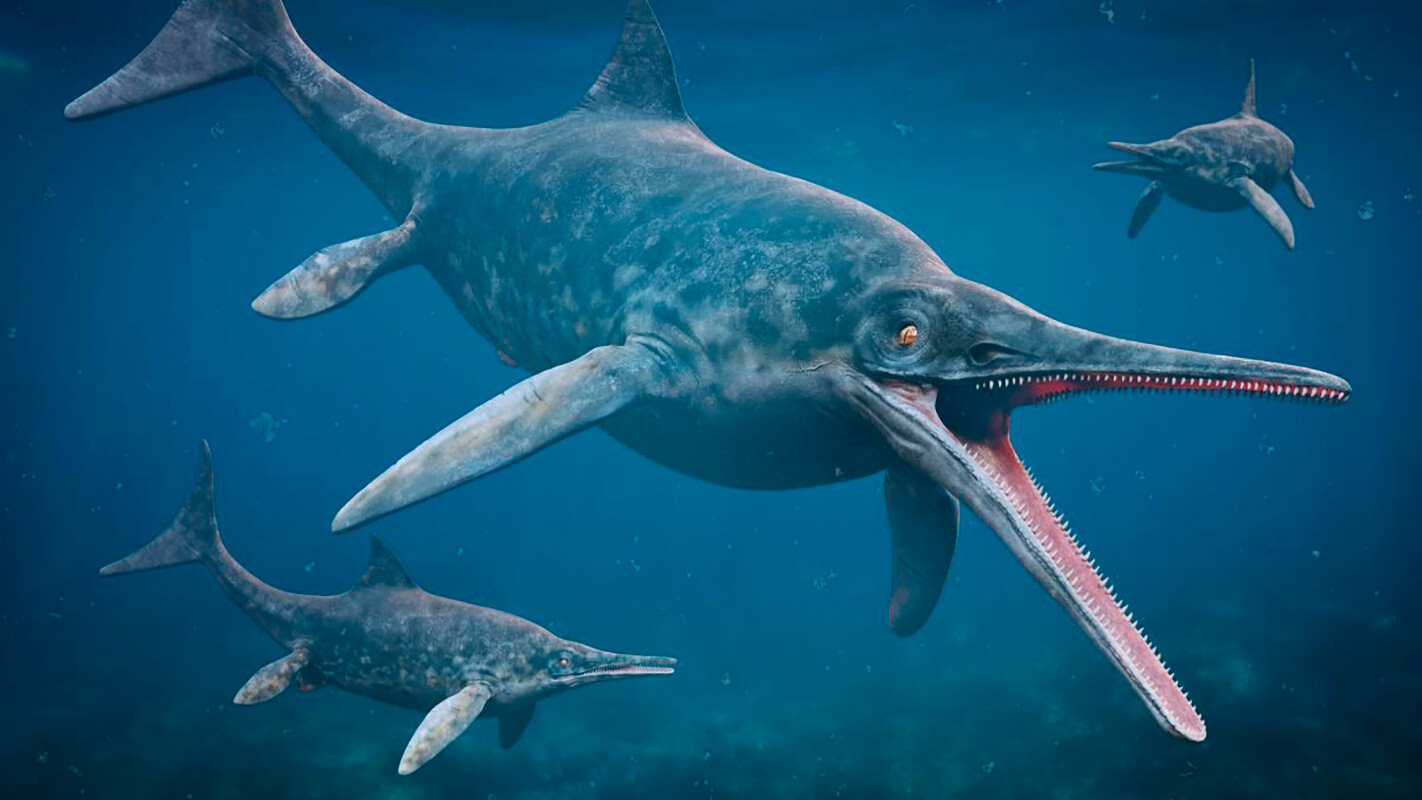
x=191, y=538
x=209, y=41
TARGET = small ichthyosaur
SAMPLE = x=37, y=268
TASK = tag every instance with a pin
x=387, y=639
x=730, y=322
x=1222, y=166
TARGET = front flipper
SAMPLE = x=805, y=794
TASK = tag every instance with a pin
x=272, y=680
x=443, y=724
x=1145, y=206
x=1267, y=207
x=513, y=723
x=923, y=522
x=339, y=272
x=531, y=415
x=1300, y=191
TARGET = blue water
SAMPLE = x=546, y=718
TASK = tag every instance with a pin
x=1269, y=548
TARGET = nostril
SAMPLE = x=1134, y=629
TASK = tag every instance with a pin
x=983, y=352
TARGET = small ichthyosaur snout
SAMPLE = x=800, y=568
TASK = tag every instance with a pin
x=729, y=322
x=388, y=639
x=1222, y=166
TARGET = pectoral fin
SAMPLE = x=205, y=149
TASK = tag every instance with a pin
x=1300, y=191
x=338, y=273
x=1267, y=207
x=443, y=724
x=272, y=680
x=513, y=723
x=923, y=522
x=537, y=412
x=1145, y=206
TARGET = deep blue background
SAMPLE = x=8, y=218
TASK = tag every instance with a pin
x=1269, y=548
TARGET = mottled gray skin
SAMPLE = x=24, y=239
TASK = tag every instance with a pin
x=735, y=324
x=386, y=638
x=1222, y=166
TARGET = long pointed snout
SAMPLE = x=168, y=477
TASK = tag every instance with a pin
x=1150, y=163
x=605, y=666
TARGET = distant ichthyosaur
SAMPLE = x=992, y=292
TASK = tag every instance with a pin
x=1222, y=166
x=729, y=322
x=388, y=639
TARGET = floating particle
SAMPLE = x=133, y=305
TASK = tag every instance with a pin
x=988, y=767
x=1265, y=446
x=49, y=193
x=823, y=580
x=265, y=425
x=635, y=566
x=459, y=553
x=868, y=669
x=1317, y=555
x=1098, y=484
x=1140, y=474
x=1366, y=211
x=1108, y=10
x=1283, y=109
x=216, y=130
x=118, y=485
x=310, y=565
x=1407, y=196
x=903, y=129
x=726, y=679
x=1219, y=260
x=43, y=758
x=10, y=332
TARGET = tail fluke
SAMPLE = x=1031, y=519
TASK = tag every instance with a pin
x=205, y=41
x=191, y=537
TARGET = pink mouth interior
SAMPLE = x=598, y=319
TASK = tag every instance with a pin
x=980, y=424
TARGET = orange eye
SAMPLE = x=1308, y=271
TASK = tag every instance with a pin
x=908, y=335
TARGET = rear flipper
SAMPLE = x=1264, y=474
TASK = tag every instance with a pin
x=531, y=415
x=1300, y=191
x=923, y=521
x=1267, y=207
x=191, y=538
x=1145, y=206
x=205, y=42
x=443, y=725
x=339, y=272
x=272, y=680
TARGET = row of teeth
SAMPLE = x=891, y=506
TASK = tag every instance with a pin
x=1074, y=582
x=1128, y=380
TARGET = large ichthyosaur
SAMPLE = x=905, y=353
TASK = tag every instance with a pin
x=388, y=639
x=1221, y=166
x=732, y=323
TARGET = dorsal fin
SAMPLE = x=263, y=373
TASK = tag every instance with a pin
x=640, y=78
x=384, y=570
x=1248, y=109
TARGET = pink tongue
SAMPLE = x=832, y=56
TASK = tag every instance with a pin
x=1069, y=574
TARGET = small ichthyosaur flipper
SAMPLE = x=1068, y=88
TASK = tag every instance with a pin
x=1267, y=207
x=1300, y=191
x=524, y=419
x=339, y=272
x=191, y=538
x=640, y=78
x=1247, y=109
x=923, y=524
x=443, y=724
x=272, y=680
x=1145, y=206
x=384, y=570
x=514, y=722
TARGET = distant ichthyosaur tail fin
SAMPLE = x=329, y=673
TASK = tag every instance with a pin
x=1248, y=107
x=191, y=538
